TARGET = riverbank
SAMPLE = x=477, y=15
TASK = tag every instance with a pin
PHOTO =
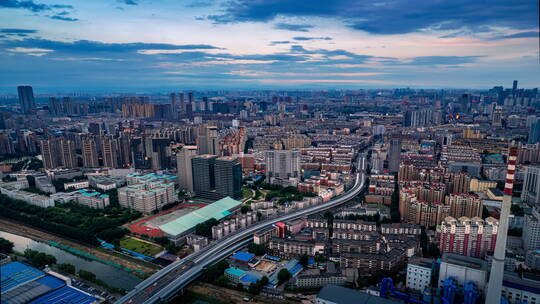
x=42, y=236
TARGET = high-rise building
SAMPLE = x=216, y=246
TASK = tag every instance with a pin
x=89, y=153
x=394, y=155
x=534, y=133
x=465, y=104
x=68, y=155
x=184, y=167
x=420, y=118
x=468, y=236
x=26, y=98
x=531, y=185
x=48, y=154
x=514, y=85
x=496, y=117
x=531, y=230
x=159, y=151
x=58, y=153
x=174, y=108
x=228, y=174
x=468, y=205
x=282, y=165
x=208, y=140
x=204, y=181
x=182, y=102
x=109, y=152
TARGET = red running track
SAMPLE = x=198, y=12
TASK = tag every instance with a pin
x=140, y=227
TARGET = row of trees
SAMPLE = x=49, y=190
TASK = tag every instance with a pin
x=6, y=247
x=71, y=219
x=39, y=259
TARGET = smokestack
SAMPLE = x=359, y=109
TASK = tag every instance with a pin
x=497, y=266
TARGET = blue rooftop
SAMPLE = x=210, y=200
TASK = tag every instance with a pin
x=65, y=295
x=235, y=271
x=16, y=273
x=51, y=281
x=248, y=279
x=242, y=256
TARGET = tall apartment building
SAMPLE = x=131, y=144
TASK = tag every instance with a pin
x=26, y=98
x=58, y=153
x=394, y=155
x=216, y=178
x=468, y=205
x=109, y=152
x=48, y=154
x=184, y=167
x=89, y=153
x=531, y=230
x=420, y=118
x=208, y=140
x=228, y=174
x=531, y=185
x=204, y=181
x=282, y=164
x=468, y=236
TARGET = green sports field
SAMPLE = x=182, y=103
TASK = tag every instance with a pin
x=140, y=247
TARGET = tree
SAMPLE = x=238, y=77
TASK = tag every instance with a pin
x=67, y=268
x=86, y=275
x=517, y=210
x=39, y=259
x=172, y=248
x=283, y=276
x=257, y=249
x=245, y=209
x=205, y=229
x=6, y=246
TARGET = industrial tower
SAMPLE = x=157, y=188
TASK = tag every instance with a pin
x=497, y=267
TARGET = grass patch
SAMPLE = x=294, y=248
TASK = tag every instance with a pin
x=140, y=247
x=246, y=193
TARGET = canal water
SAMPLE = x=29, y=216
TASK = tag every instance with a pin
x=112, y=276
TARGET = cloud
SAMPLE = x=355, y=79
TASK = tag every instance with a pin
x=32, y=6
x=17, y=31
x=311, y=38
x=293, y=27
x=442, y=60
x=528, y=34
x=199, y=3
x=279, y=42
x=129, y=2
x=88, y=46
x=393, y=16
x=11, y=32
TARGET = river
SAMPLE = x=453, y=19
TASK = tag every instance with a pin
x=112, y=276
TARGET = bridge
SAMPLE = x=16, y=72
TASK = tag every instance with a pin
x=166, y=283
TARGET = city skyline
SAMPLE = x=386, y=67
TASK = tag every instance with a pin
x=118, y=46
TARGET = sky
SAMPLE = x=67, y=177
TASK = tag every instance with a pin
x=159, y=45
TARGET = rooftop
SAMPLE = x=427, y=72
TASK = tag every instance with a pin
x=342, y=295
x=217, y=210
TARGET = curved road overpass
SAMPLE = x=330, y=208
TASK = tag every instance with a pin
x=166, y=283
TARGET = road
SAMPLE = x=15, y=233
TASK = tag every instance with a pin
x=165, y=284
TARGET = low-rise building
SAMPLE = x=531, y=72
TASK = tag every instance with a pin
x=92, y=199
x=83, y=184
x=147, y=193
x=463, y=269
x=12, y=190
x=419, y=273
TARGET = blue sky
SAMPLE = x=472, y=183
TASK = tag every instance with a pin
x=149, y=45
